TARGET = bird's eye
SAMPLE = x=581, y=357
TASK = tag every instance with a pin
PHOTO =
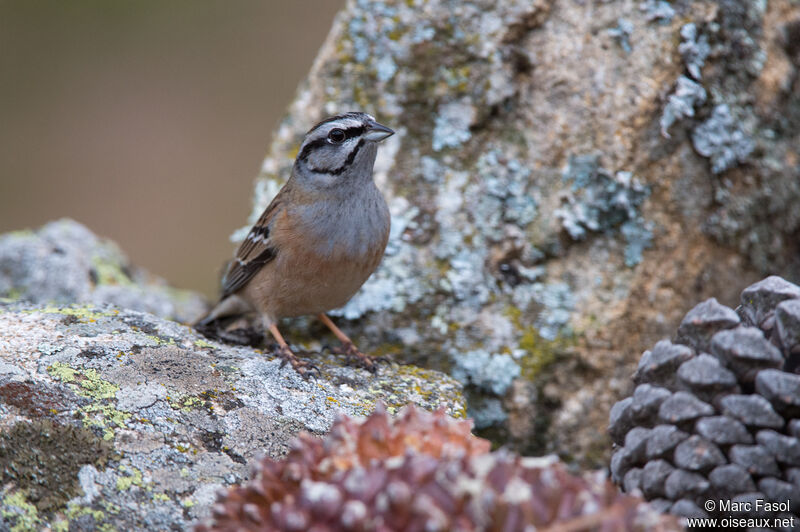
x=336, y=136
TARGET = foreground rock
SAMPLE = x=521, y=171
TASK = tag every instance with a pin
x=118, y=418
x=567, y=180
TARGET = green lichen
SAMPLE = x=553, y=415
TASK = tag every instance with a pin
x=76, y=511
x=25, y=516
x=87, y=383
x=11, y=296
x=84, y=314
x=421, y=384
x=62, y=372
x=203, y=343
x=125, y=482
x=161, y=497
x=105, y=417
x=189, y=402
x=97, y=388
x=540, y=353
x=109, y=272
x=43, y=459
x=160, y=341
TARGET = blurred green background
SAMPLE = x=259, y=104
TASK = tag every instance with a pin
x=147, y=121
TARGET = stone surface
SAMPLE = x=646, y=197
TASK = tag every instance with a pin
x=620, y=420
x=660, y=364
x=687, y=508
x=118, y=418
x=646, y=401
x=779, y=491
x=538, y=210
x=636, y=443
x=64, y=263
x=654, y=476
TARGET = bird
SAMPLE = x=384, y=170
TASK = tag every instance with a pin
x=317, y=242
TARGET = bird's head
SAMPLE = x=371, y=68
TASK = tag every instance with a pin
x=340, y=149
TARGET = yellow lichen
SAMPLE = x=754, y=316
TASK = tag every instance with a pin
x=109, y=272
x=26, y=518
x=125, y=482
x=87, y=383
x=203, y=343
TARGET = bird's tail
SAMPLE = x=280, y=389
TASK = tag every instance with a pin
x=220, y=323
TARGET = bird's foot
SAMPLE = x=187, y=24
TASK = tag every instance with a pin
x=356, y=357
x=304, y=368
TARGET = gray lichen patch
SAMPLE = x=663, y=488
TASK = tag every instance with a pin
x=599, y=201
x=721, y=139
x=681, y=104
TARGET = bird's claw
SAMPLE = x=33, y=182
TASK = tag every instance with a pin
x=359, y=359
x=304, y=368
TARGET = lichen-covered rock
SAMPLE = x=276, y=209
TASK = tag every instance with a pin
x=730, y=425
x=538, y=208
x=118, y=419
x=65, y=263
x=420, y=472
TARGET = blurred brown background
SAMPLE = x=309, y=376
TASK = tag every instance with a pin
x=147, y=121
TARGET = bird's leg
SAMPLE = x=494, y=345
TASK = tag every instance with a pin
x=348, y=347
x=302, y=367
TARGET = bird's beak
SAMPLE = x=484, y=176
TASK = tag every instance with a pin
x=377, y=132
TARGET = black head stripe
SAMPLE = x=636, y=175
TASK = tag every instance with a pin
x=310, y=147
x=351, y=115
x=348, y=162
x=355, y=131
x=350, y=132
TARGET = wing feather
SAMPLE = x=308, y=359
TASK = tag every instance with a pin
x=255, y=251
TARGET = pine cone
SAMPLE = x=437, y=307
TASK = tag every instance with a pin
x=715, y=414
x=418, y=472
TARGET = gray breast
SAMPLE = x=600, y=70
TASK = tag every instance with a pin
x=353, y=226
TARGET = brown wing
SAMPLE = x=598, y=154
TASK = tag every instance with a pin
x=255, y=251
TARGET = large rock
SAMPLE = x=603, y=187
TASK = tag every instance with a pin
x=567, y=180
x=113, y=418
x=118, y=417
